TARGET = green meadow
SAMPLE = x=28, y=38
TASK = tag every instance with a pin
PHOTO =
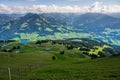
x=35, y=62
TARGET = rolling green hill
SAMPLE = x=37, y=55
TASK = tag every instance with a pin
x=71, y=59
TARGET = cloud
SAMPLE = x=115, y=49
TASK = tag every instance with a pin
x=5, y=9
x=99, y=7
x=95, y=7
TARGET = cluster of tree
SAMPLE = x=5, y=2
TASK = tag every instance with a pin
x=12, y=49
x=59, y=42
x=69, y=47
x=42, y=41
x=5, y=50
x=15, y=47
x=84, y=49
x=85, y=44
x=101, y=54
x=85, y=52
x=94, y=56
x=112, y=51
x=0, y=47
x=116, y=54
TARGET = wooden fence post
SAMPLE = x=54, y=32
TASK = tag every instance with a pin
x=9, y=73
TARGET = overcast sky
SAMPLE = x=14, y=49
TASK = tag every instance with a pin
x=62, y=6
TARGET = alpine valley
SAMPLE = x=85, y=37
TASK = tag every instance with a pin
x=31, y=26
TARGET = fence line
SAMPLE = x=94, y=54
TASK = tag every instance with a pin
x=18, y=73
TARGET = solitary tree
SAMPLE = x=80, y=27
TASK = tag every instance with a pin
x=62, y=52
x=53, y=57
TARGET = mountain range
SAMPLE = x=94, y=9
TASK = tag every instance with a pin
x=96, y=26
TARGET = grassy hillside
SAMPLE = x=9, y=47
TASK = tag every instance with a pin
x=99, y=69
x=52, y=60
